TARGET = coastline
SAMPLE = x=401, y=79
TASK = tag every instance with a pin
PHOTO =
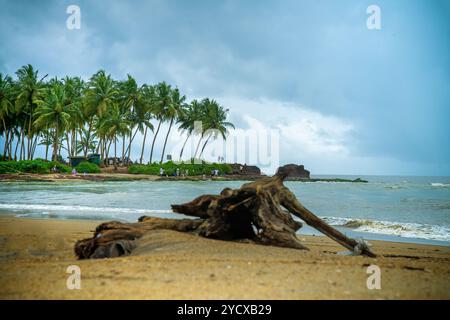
x=117, y=176
x=34, y=255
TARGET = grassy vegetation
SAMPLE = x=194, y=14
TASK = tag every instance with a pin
x=170, y=168
x=31, y=166
x=87, y=167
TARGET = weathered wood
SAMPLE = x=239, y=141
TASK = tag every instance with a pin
x=259, y=211
x=113, y=239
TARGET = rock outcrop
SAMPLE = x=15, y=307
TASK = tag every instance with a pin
x=244, y=169
x=295, y=172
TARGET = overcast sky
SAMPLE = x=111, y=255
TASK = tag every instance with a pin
x=344, y=99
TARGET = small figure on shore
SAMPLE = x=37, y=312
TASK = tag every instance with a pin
x=84, y=173
x=161, y=171
x=55, y=169
x=178, y=172
x=74, y=171
x=187, y=172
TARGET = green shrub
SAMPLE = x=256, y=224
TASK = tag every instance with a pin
x=87, y=167
x=170, y=168
x=31, y=166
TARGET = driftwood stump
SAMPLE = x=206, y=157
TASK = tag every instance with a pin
x=259, y=211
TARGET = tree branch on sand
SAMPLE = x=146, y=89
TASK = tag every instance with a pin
x=259, y=211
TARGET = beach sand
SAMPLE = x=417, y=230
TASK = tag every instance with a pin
x=34, y=256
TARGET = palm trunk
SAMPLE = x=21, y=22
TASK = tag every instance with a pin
x=100, y=142
x=68, y=145
x=29, y=141
x=165, y=141
x=30, y=136
x=184, y=144
x=107, y=149
x=198, y=146
x=22, y=145
x=10, y=144
x=115, y=153
x=143, y=145
x=129, y=145
x=154, y=139
x=5, y=148
x=34, y=146
x=204, y=146
x=17, y=146
x=55, y=144
x=88, y=137
x=74, y=142
x=123, y=149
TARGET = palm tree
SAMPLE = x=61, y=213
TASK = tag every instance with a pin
x=72, y=115
x=162, y=101
x=144, y=113
x=174, y=110
x=74, y=88
x=101, y=94
x=115, y=124
x=215, y=121
x=46, y=140
x=6, y=109
x=54, y=112
x=31, y=91
x=187, y=121
x=87, y=141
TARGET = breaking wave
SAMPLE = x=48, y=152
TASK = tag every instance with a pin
x=73, y=212
x=402, y=229
x=440, y=185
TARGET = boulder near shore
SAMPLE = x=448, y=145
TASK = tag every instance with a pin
x=296, y=172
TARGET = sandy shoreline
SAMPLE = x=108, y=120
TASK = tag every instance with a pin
x=34, y=255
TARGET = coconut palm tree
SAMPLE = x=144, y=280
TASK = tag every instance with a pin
x=215, y=121
x=187, y=120
x=115, y=125
x=175, y=109
x=46, y=140
x=87, y=141
x=6, y=110
x=144, y=113
x=74, y=87
x=160, y=105
x=101, y=94
x=136, y=102
x=54, y=112
x=31, y=90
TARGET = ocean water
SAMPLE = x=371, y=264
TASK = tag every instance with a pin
x=406, y=209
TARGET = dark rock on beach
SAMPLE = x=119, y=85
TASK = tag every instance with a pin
x=244, y=169
x=295, y=172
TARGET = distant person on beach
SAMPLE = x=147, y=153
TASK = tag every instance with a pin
x=74, y=171
x=55, y=169
x=178, y=172
x=161, y=172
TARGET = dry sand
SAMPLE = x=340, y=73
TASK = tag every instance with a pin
x=34, y=255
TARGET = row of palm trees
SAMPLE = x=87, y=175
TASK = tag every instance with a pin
x=90, y=116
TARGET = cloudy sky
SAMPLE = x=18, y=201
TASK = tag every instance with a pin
x=339, y=97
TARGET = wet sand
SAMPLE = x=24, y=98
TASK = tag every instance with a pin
x=34, y=256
